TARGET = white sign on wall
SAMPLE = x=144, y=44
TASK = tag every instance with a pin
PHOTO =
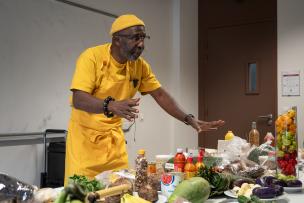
x=291, y=83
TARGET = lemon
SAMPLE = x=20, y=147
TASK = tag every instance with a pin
x=229, y=135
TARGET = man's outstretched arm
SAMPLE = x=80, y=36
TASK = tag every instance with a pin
x=164, y=99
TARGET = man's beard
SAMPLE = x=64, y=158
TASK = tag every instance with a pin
x=132, y=54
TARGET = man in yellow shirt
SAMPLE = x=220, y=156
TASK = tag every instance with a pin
x=105, y=80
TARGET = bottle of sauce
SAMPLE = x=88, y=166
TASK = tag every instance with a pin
x=199, y=163
x=141, y=164
x=179, y=161
x=254, y=135
x=190, y=169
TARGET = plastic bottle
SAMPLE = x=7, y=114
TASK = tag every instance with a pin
x=269, y=137
x=179, y=161
x=254, y=135
x=229, y=135
x=141, y=164
x=199, y=163
x=190, y=169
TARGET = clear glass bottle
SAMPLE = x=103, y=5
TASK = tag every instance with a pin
x=254, y=135
x=141, y=164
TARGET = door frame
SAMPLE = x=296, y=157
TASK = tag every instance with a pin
x=203, y=58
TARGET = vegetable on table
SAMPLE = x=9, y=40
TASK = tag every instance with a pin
x=219, y=182
x=264, y=192
x=77, y=189
x=240, y=181
x=127, y=198
x=252, y=199
x=88, y=185
x=61, y=197
x=195, y=190
x=71, y=192
x=294, y=183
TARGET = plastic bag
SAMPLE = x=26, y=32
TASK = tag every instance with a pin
x=12, y=188
x=108, y=177
x=262, y=150
x=232, y=150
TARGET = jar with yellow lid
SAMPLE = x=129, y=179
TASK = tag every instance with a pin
x=141, y=164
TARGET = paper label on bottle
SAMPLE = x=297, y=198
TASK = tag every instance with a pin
x=169, y=166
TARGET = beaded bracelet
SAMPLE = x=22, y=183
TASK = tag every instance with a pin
x=186, y=119
x=106, y=111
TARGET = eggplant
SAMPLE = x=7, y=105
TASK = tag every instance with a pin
x=279, y=182
x=264, y=192
x=265, y=181
x=240, y=181
x=278, y=189
x=260, y=181
x=268, y=180
x=294, y=183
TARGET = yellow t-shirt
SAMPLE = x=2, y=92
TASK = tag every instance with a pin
x=99, y=74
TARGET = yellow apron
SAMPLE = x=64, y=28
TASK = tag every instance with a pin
x=96, y=143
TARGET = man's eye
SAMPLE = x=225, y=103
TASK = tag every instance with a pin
x=137, y=37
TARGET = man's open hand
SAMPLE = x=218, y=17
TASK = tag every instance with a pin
x=125, y=108
x=201, y=126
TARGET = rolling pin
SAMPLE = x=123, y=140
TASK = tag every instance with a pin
x=116, y=190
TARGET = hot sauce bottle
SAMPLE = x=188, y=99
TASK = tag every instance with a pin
x=199, y=163
x=190, y=169
x=179, y=161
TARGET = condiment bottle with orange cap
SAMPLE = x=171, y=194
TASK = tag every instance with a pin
x=190, y=169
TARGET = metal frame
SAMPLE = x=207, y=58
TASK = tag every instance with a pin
x=15, y=139
x=88, y=8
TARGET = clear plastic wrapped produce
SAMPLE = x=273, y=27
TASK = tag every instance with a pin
x=262, y=150
x=12, y=188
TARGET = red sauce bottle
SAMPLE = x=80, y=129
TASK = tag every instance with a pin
x=179, y=161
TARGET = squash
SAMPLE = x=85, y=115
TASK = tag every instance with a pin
x=195, y=190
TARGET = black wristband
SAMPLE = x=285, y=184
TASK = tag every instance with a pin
x=106, y=111
x=186, y=119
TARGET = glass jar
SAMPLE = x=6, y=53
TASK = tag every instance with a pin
x=286, y=142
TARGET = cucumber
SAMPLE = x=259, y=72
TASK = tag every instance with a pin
x=61, y=197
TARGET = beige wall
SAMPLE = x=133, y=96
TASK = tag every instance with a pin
x=291, y=54
x=38, y=50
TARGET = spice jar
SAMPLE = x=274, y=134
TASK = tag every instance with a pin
x=151, y=167
x=141, y=164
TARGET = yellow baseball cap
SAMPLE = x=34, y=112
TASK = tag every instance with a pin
x=125, y=21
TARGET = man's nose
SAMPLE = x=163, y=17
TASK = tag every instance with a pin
x=141, y=44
